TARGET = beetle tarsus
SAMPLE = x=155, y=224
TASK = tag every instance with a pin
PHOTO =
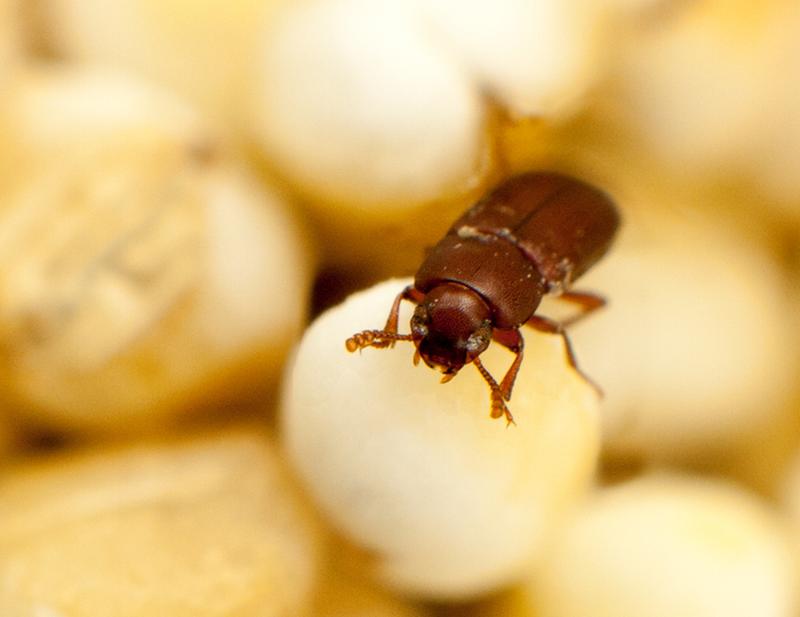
x=509, y=418
x=360, y=340
x=374, y=338
x=499, y=407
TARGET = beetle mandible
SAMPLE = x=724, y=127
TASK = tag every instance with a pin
x=533, y=235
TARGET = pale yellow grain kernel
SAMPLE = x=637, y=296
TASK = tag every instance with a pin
x=451, y=503
x=176, y=43
x=207, y=526
x=142, y=273
x=691, y=350
x=665, y=545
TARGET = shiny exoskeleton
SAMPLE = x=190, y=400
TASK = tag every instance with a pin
x=533, y=235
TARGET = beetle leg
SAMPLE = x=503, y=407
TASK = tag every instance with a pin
x=388, y=336
x=374, y=338
x=587, y=301
x=409, y=293
x=499, y=407
x=512, y=339
x=545, y=324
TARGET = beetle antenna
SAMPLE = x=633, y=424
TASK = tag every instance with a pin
x=499, y=407
x=374, y=338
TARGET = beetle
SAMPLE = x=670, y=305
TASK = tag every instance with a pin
x=531, y=236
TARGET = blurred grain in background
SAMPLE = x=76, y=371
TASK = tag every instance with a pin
x=186, y=185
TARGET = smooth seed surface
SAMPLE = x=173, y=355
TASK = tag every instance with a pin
x=450, y=502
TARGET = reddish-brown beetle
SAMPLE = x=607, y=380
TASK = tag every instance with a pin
x=533, y=235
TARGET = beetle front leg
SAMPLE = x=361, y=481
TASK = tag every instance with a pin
x=388, y=336
x=550, y=326
x=499, y=407
x=511, y=339
x=411, y=294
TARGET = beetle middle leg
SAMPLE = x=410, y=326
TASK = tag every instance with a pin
x=388, y=336
x=587, y=301
x=550, y=326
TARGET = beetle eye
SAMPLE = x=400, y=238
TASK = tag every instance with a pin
x=474, y=342
x=419, y=327
x=479, y=340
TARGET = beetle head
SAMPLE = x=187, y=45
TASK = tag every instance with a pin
x=451, y=327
